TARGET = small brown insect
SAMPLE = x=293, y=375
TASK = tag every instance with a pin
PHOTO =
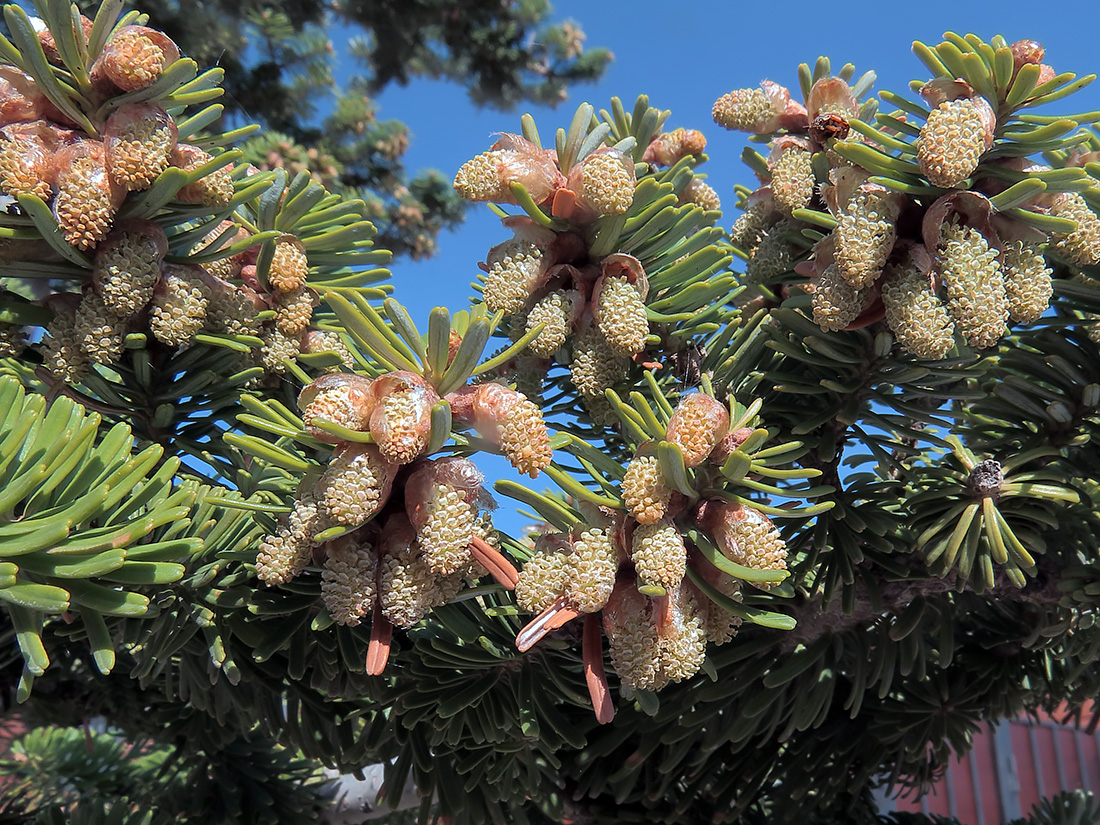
x=828, y=126
x=687, y=365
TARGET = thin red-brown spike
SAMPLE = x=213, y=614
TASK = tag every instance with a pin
x=871, y=315
x=381, y=633
x=594, y=674
x=662, y=612
x=551, y=618
x=499, y=567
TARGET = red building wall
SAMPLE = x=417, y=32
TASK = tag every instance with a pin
x=1011, y=768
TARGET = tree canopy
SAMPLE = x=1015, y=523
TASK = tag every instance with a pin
x=309, y=73
x=812, y=498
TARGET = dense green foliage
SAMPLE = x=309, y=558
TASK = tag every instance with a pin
x=281, y=63
x=815, y=495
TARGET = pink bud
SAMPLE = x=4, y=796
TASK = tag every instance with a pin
x=1026, y=51
x=20, y=98
x=730, y=442
x=831, y=95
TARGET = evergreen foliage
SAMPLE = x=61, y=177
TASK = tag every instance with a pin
x=286, y=71
x=812, y=499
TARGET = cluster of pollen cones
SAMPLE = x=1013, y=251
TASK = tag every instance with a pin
x=394, y=532
x=84, y=174
x=631, y=565
x=591, y=309
x=936, y=267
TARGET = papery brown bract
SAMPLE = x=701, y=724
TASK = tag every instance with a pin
x=831, y=96
x=729, y=442
x=346, y=399
x=134, y=58
x=86, y=199
x=681, y=634
x=139, y=139
x=401, y=421
x=697, y=424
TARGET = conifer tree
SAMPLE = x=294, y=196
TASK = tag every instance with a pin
x=287, y=72
x=812, y=498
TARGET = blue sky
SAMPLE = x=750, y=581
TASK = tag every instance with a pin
x=686, y=55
